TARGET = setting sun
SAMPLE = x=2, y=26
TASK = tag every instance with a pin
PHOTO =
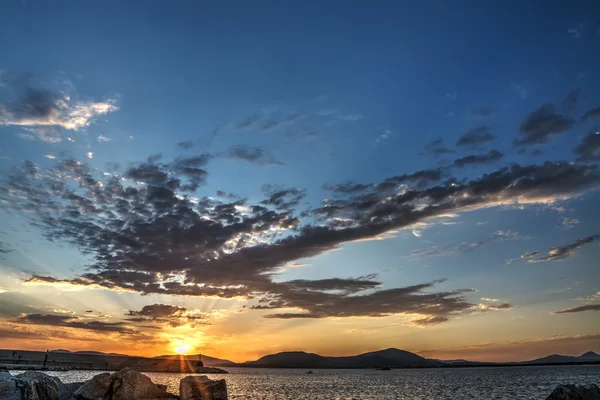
x=182, y=349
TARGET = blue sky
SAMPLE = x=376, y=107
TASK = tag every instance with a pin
x=298, y=96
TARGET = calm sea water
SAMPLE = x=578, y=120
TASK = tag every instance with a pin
x=418, y=384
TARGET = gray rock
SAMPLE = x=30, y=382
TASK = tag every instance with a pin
x=66, y=390
x=199, y=387
x=572, y=392
x=126, y=384
x=30, y=385
x=5, y=375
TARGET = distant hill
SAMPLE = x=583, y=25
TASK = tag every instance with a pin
x=559, y=358
x=88, y=352
x=207, y=360
x=377, y=359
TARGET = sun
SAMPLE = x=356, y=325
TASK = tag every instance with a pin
x=182, y=349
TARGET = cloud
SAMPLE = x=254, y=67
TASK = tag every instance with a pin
x=251, y=154
x=69, y=321
x=569, y=222
x=489, y=158
x=587, y=307
x=153, y=238
x=43, y=133
x=476, y=137
x=522, y=89
x=103, y=139
x=159, y=311
x=436, y=148
x=248, y=121
x=89, y=154
x=593, y=113
x=49, y=156
x=483, y=113
x=186, y=145
x=429, y=321
x=451, y=95
x=589, y=149
x=576, y=31
x=38, y=107
x=541, y=125
x=464, y=247
x=562, y=252
x=571, y=100
x=174, y=316
x=282, y=198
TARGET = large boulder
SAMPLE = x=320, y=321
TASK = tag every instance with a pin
x=30, y=385
x=126, y=384
x=572, y=392
x=199, y=387
x=66, y=390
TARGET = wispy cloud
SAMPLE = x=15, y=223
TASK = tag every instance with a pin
x=523, y=89
x=562, y=252
x=103, y=139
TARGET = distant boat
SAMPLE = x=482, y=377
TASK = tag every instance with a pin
x=310, y=372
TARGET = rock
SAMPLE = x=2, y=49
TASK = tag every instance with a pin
x=199, y=387
x=30, y=385
x=66, y=390
x=126, y=384
x=572, y=392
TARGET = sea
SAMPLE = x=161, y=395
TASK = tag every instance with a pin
x=415, y=384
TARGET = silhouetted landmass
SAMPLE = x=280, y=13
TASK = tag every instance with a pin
x=207, y=360
x=389, y=358
x=378, y=359
x=95, y=360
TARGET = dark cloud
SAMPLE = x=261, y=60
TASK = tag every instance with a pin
x=483, y=113
x=589, y=149
x=28, y=103
x=587, y=307
x=561, y=252
x=346, y=188
x=229, y=195
x=255, y=155
x=186, y=145
x=159, y=311
x=541, y=125
x=282, y=198
x=350, y=285
x=153, y=238
x=478, y=159
x=593, y=113
x=430, y=321
x=476, y=137
x=164, y=313
x=246, y=122
x=69, y=321
x=20, y=334
x=571, y=100
x=436, y=148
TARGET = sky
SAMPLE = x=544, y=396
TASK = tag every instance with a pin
x=249, y=178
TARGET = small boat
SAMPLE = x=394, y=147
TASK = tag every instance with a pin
x=310, y=372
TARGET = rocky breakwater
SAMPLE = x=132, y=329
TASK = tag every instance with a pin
x=572, y=392
x=33, y=385
x=126, y=384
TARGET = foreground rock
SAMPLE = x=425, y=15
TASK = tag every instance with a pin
x=572, y=392
x=34, y=385
x=199, y=387
x=126, y=384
